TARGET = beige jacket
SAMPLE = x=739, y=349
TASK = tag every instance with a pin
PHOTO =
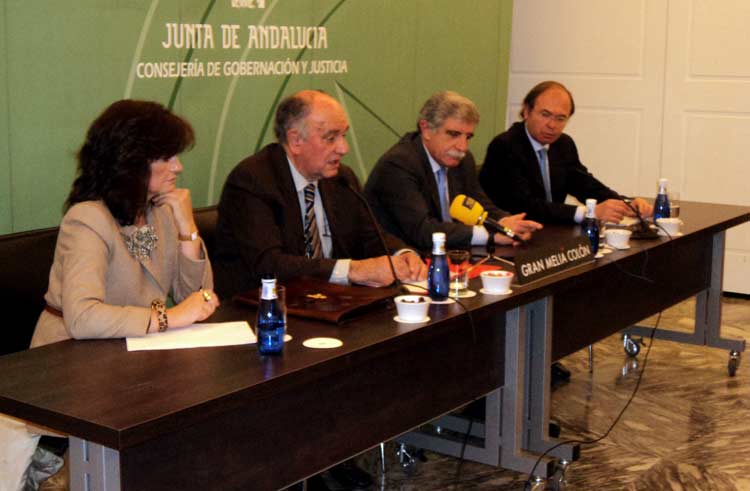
x=101, y=289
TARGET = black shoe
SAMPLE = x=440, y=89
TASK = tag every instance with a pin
x=554, y=430
x=559, y=373
x=348, y=475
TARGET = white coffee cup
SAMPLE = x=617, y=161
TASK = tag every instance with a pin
x=617, y=237
x=412, y=307
x=496, y=281
x=669, y=225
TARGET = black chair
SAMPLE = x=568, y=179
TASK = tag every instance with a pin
x=26, y=259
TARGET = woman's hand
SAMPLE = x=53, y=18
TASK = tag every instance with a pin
x=196, y=307
x=182, y=209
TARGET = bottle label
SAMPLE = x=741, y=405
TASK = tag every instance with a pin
x=590, y=209
x=268, y=291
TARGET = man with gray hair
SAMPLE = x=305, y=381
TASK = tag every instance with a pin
x=413, y=184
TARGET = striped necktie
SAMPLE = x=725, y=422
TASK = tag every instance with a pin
x=312, y=239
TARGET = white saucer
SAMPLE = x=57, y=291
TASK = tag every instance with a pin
x=443, y=302
x=463, y=294
x=621, y=248
x=322, y=343
x=491, y=292
x=605, y=249
x=599, y=255
x=662, y=233
x=420, y=321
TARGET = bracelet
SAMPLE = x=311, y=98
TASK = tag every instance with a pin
x=160, y=308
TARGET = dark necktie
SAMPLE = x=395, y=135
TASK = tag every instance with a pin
x=312, y=239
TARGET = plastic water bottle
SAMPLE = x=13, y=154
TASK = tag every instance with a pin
x=271, y=322
x=438, y=278
x=661, y=204
x=590, y=225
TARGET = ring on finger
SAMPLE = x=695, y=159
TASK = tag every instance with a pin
x=206, y=295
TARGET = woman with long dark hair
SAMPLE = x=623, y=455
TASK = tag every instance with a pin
x=128, y=240
x=127, y=243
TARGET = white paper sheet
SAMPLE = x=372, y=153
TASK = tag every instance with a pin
x=195, y=336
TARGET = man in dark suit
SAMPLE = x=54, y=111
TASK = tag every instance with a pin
x=266, y=226
x=534, y=165
x=292, y=210
x=413, y=183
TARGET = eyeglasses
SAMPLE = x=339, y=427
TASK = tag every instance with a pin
x=557, y=118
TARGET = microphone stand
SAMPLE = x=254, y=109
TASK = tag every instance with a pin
x=376, y=225
x=644, y=232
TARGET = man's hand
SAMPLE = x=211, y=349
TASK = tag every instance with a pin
x=409, y=267
x=643, y=207
x=519, y=226
x=375, y=271
x=613, y=211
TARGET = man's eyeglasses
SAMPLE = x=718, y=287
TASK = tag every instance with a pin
x=558, y=118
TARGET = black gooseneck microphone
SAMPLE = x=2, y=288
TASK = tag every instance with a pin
x=375, y=224
x=644, y=231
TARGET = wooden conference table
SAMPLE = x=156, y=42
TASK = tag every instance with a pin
x=224, y=418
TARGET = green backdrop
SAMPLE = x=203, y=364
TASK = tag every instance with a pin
x=61, y=63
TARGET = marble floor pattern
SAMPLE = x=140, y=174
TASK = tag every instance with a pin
x=687, y=429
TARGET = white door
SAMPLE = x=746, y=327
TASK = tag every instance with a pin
x=659, y=88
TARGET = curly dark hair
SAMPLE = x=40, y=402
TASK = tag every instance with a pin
x=114, y=161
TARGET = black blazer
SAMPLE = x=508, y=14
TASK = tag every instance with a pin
x=404, y=196
x=259, y=228
x=512, y=179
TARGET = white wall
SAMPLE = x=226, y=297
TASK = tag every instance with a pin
x=662, y=88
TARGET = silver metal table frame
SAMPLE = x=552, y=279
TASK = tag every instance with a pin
x=707, y=330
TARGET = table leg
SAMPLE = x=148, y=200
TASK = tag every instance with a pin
x=537, y=380
x=515, y=392
x=93, y=467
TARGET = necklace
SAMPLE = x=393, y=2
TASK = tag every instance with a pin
x=141, y=241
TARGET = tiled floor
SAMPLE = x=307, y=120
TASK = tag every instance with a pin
x=687, y=429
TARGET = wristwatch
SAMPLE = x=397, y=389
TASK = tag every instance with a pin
x=188, y=238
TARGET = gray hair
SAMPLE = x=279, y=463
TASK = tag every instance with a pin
x=447, y=104
x=291, y=114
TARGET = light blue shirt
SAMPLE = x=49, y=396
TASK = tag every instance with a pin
x=580, y=210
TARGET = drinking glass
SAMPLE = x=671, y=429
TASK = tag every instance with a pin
x=674, y=204
x=458, y=264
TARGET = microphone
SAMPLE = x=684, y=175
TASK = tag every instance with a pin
x=470, y=212
x=375, y=224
